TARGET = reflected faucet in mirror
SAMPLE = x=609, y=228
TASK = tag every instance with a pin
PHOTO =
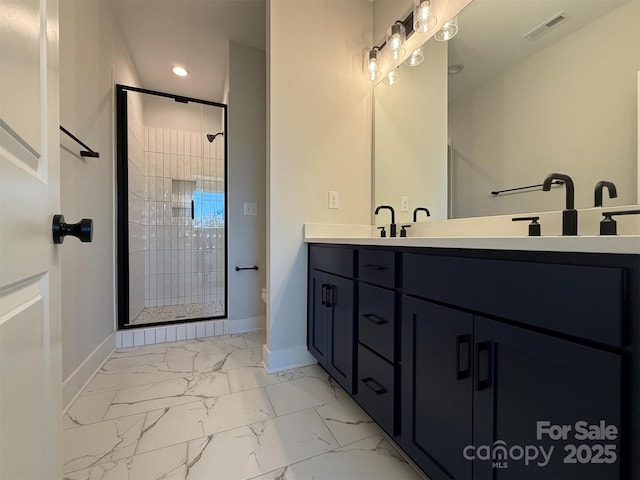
x=569, y=214
x=392, y=227
x=419, y=209
x=597, y=194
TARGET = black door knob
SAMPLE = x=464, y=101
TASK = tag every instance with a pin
x=82, y=230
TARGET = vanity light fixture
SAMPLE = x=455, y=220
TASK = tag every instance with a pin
x=392, y=78
x=448, y=30
x=371, y=64
x=423, y=18
x=396, y=36
x=180, y=71
x=416, y=58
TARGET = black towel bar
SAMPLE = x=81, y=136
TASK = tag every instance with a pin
x=255, y=267
x=89, y=152
x=498, y=192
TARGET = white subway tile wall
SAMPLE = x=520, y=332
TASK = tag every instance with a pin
x=174, y=259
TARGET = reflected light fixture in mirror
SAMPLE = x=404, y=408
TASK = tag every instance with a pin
x=396, y=36
x=448, y=30
x=416, y=58
x=392, y=78
x=371, y=64
x=423, y=18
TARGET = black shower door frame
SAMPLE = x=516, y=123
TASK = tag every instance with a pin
x=122, y=206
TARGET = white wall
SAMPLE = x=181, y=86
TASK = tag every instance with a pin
x=579, y=99
x=319, y=130
x=90, y=49
x=411, y=138
x=246, y=177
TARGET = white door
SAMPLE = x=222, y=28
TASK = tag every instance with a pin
x=30, y=350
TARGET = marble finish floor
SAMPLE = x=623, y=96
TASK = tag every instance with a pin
x=206, y=409
x=179, y=312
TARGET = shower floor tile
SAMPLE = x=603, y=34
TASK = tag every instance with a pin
x=179, y=312
x=206, y=409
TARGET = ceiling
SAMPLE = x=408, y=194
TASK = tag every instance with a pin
x=491, y=34
x=191, y=33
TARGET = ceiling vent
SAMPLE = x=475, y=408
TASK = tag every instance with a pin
x=547, y=26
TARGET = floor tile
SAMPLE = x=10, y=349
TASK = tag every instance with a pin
x=347, y=421
x=87, y=409
x=245, y=378
x=197, y=419
x=145, y=398
x=309, y=391
x=133, y=361
x=234, y=358
x=90, y=445
x=260, y=447
x=167, y=464
x=370, y=459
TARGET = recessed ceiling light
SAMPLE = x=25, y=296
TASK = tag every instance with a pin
x=180, y=71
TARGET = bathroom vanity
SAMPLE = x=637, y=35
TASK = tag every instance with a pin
x=487, y=362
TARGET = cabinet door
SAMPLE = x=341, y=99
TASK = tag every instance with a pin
x=437, y=387
x=341, y=318
x=317, y=317
x=523, y=378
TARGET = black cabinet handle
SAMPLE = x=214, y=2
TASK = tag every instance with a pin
x=82, y=230
x=330, y=302
x=484, y=349
x=373, y=385
x=373, y=267
x=375, y=319
x=324, y=293
x=462, y=340
x=192, y=209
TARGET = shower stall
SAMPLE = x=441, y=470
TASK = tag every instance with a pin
x=172, y=208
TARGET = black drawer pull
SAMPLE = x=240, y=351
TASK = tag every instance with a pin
x=373, y=267
x=375, y=319
x=324, y=293
x=461, y=340
x=373, y=385
x=484, y=347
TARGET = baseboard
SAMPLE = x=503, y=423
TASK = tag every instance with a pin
x=279, y=360
x=250, y=324
x=75, y=382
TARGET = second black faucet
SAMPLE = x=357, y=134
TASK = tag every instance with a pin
x=392, y=227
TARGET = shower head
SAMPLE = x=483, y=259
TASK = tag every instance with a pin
x=211, y=137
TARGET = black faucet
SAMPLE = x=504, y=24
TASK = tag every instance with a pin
x=597, y=194
x=419, y=209
x=392, y=227
x=569, y=214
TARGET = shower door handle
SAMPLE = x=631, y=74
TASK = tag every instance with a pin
x=83, y=230
x=192, y=210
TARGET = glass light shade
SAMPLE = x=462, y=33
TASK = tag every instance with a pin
x=396, y=35
x=371, y=64
x=416, y=58
x=392, y=78
x=423, y=18
x=448, y=30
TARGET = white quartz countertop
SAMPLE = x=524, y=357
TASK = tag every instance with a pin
x=363, y=235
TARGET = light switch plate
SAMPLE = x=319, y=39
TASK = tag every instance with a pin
x=251, y=209
x=404, y=204
x=334, y=199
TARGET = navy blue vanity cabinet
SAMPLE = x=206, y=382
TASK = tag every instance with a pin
x=331, y=312
x=437, y=387
x=470, y=382
x=376, y=385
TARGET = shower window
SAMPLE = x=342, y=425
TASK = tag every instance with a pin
x=172, y=236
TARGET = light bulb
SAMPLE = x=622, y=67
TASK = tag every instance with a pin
x=416, y=58
x=423, y=17
x=395, y=40
x=392, y=78
x=372, y=64
x=448, y=30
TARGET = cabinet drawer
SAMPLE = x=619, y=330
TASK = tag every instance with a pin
x=582, y=301
x=333, y=260
x=376, y=388
x=376, y=266
x=376, y=320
